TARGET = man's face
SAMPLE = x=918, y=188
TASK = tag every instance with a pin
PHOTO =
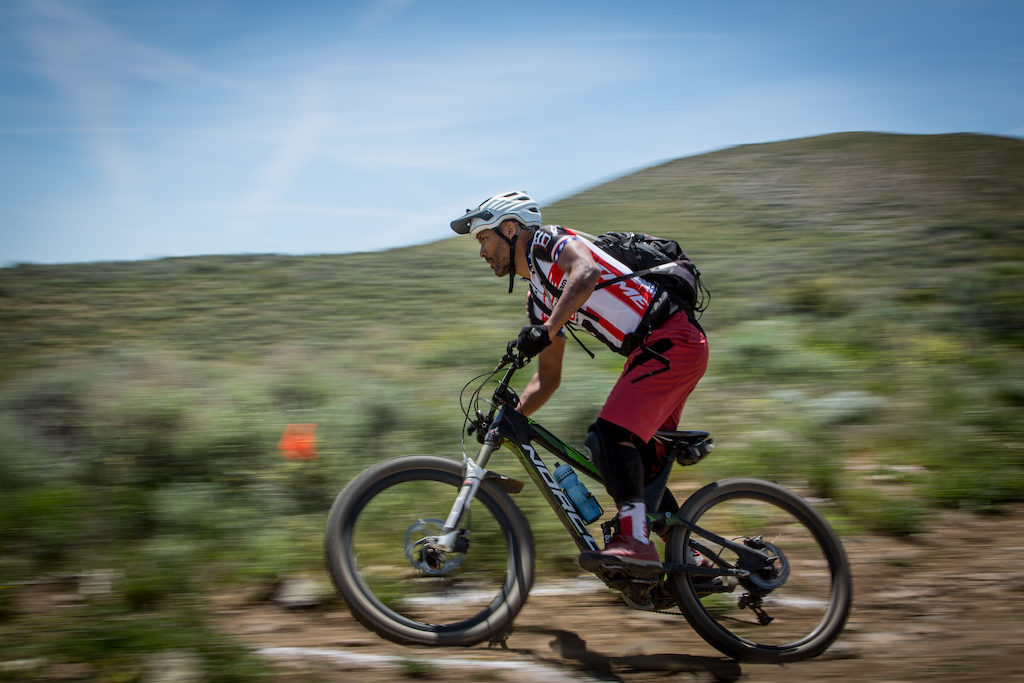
x=495, y=251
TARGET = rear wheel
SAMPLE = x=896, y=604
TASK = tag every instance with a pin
x=409, y=592
x=790, y=608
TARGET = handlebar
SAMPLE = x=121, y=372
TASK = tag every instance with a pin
x=513, y=360
x=504, y=395
x=513, y=357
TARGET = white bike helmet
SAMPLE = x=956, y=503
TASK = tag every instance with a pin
x=515, y=205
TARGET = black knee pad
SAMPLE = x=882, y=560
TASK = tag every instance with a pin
x=613, y=451
x=602, y=437
x=595, y=447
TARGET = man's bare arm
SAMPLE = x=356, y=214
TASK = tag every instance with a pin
x=547, y=378
x=582, y=274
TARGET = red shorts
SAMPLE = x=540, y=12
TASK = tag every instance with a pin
x=643, y=402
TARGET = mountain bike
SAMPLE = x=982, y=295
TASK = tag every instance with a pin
x=425, y=550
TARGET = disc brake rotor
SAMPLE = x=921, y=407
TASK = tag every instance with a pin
x=424, y=558
x=771, y=576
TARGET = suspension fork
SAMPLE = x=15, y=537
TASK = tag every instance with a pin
x=474, y=474
x=476, y=471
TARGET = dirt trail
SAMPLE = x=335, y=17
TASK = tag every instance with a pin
x=947, y=606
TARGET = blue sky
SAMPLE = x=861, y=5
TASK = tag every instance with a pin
x=139, y=129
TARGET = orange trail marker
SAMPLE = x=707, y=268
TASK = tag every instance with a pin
x=298, y=442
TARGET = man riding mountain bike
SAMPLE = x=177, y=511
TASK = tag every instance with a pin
x=666, y=350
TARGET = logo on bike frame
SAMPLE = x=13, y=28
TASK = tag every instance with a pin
x=562, y=497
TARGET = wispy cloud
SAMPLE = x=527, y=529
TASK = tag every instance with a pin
x=297, y=142
x=380, y=12
x=100, y=72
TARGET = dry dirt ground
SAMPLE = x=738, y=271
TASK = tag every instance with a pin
x=946, y=606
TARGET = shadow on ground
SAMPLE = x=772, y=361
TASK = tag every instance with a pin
x=573, y=650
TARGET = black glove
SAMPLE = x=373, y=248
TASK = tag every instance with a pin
x=532, y=340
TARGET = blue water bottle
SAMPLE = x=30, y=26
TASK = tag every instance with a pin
x=582, y=498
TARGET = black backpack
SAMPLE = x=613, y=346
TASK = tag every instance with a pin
x=659, y=261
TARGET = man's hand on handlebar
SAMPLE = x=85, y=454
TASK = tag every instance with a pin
x=532, y=340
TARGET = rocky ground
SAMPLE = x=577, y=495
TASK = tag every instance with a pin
x=945, y=606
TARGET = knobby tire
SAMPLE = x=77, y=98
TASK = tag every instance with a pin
x=393, y=596
x=810, y=608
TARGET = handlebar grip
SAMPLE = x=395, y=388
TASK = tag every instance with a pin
x=535, y=334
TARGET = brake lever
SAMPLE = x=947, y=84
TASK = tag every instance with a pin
x=511, y=357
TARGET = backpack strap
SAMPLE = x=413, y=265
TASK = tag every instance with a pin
x=568, y=326
x=548, y=285
x=640, y=273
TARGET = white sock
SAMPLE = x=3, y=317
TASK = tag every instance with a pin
x=633, y=520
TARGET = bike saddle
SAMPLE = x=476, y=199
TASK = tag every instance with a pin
x=687, y=438
x=687, y=447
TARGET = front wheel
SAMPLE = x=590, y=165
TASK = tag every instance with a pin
x=409, y=592
x=793, y=605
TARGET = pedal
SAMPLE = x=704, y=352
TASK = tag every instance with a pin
x=609, y=567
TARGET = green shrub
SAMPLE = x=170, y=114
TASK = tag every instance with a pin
x=135, y=439
x=44, y=522
x=193, y=508
x=975, y=480
x=25, y=459
x=773, y=350
x=824, y=297
x=994, y=301
x=121, y=644
x=845, y=407
x=161, y=572
x=885, y=513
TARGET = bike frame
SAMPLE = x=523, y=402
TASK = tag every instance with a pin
x=519, y=433
x=508, y=427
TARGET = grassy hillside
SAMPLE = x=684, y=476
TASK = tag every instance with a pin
x=867, y=334
x=877, y=274
x=880, y=217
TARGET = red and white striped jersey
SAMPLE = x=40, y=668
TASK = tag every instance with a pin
x=611, y=313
